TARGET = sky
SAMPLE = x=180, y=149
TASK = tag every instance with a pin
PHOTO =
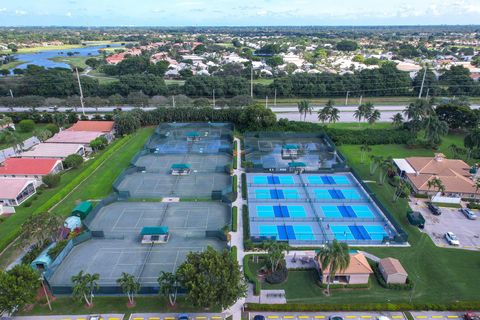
x=237, y=12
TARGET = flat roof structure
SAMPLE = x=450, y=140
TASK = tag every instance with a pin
x=92, y=125
x=26, y=166
x=10, y=188
x=82, y=137
x=53, y=150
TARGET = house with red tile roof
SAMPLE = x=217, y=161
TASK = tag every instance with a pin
x=91, y=125
x=357, y=272
x=30, y=168
x=13, y=191
x=454, y=174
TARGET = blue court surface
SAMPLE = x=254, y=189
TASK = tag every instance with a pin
x=277, y=179
x=276, y=194
x=358, y=232
x=281, y=212
x=314, y=209
x=287, y=232
x=358, y=211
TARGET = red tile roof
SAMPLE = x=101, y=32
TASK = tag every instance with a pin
x=98, y=126
x=25, y=166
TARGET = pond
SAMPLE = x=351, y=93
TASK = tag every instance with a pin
x=42, y=58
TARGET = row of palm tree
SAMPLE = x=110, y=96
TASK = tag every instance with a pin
x=331, y=114
x=86, y=284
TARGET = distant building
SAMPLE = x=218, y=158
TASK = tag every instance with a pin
x=75, y=137
x=53, y=150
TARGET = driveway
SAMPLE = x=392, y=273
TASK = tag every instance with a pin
x=451, y=219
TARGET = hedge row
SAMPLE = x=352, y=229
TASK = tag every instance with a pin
x=369, y=136
x=453, y=306
x=244, y=186
x=252, y=278
x=235, y=187
x=8, y=238
x=234, y=218
x=235, y=155
x=473, y=205
x=233, y=252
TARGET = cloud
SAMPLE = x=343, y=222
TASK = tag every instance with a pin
x=68, y=14
x=20, y=12
x=3, y=9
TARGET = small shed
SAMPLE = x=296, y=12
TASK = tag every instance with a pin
x=155, y=234
x=298, y=167
x=82, y=209
x=72, y=223
x=193, y=136
x=392, y=271
x=43, y=261
x=180, y=169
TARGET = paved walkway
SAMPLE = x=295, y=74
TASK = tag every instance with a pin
x=73, y=317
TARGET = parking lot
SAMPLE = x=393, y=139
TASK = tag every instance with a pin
x=451, y=220
x=352, y=315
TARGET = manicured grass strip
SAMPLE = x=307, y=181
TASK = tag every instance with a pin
x=234, y=218
x=250, y=275
x=67, y=305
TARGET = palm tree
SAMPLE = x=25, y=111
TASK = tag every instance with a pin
x=13, y=138
x=363, y=151
x=84, y=285
x=472, y=141
x=334, y=115
x=334, y=257
x=434, y=130
x=5, y=121
x=168, y=283
x=436, y=184
x=419, y=110
x=304, y=107
x=364, y=111
x=374, y=116
x=130, y=286
x=387, y=167
x=401, y=189
x=323, y=114
x=397, y=120
x=42, y=135
x=376, y=161
x=477, y=186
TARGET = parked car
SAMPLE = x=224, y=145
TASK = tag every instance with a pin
x=259, y=317
x=471, y=316
x=468, y=213
x=434, y=209
x=383, y=318
x=335, y=317
x=95, y=317
x=183, y=316
x=452, y=239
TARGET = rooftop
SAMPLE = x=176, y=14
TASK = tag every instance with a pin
x=66, y=136
x=392, y=266
x=52, y=150
x=11, y=187
x=96, y=126
x=358, y=265
x=26, y=166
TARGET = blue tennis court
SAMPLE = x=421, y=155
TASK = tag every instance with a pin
x=358, y=232
x=287, y=232
x=360, y=211
x=334, y=179
x=283, y=179
x=350, y=194
x=281, y=212
x=276, y=194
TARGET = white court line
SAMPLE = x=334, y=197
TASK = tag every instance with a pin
x=118, y=219
x=116, y=265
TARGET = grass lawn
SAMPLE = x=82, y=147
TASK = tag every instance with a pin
x=67, y=305
x=359, y=126
x=11, y=65
x=74, y=61
x=99, y=185
x=264, y=82
x=179, y=82
x=95, y=187
x=23, y=135
x=441, y=275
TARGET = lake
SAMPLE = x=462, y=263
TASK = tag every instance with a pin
x=41, y=58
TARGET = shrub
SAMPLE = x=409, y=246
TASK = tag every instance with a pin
x=246, y=224
x=73, y=161
x=235, y=187
x=26, y=125
x=98, y=143
x=53, y=128
x=473, y=205
x=252, y=278
x=233, y=252
x=234, y=218
x=244, y=186
x=51, y=180
x=279, y=275
x=55, y=251
x=27, y=204
x=33, y=253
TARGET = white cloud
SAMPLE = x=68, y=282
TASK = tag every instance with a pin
x=3, y=9
x=20, y=12
x=68, y=14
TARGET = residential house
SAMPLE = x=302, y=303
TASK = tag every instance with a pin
x=392, y=271
x=54, y=150
x=107, y=128
x=14, y=191
x=357, y=272
x=33, y=169
x=454, y=174
x=76, y=137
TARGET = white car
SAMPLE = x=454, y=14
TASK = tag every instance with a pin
x=452, y=239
